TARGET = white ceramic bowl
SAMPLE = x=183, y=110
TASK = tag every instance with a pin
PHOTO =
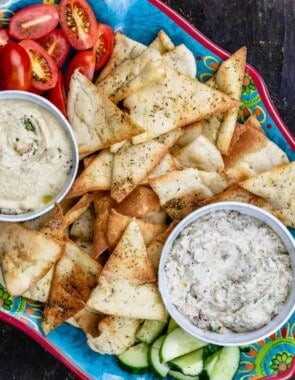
x=44, y=103
x=230, y=338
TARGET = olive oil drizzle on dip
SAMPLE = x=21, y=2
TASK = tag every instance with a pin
x=35, y=156
x=228, y=272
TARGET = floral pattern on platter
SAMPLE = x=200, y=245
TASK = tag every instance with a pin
x=141, y=20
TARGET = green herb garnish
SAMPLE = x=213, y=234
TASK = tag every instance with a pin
x=28, y=125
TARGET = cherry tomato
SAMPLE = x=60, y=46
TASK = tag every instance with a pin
x=56, y=45
x=34, y=21
x=79, y=23
x=44, y=69
x=4, y=37
x=85, y=62
x=57, y=95
x=15, y=67
x=104, y=45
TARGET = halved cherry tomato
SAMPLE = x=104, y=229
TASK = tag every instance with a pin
x=104, y=45
x=44, y=69
x=33, y=22
x=15, y=67
x=4, y=37
x=57, y=95
x=79, y=23
x=85, y=62
x=56, y=45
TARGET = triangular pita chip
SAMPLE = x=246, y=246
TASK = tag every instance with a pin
x=88, y=321
x=82, y=228
x=252, y=153
x=132, y=74
x=162, y=42
x=116, y=334
x=117, y=224
x=124, y=48
x=126, y=285
x=182, y=60
x=276, y=186
x=166, y=165
x=96, y=176
x=97, y=122
x=78, y=209
x=25, y=256
x=229, y=79
x=173, y=102
x=74, y=277
x=40, y=290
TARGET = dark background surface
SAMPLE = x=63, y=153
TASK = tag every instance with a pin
x=267, y=28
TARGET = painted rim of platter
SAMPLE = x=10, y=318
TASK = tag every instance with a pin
x=265, y=97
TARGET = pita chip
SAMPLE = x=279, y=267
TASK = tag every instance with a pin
x=115, y=335
x=40, y=290
x=162, y=42
x=182, y=60
x=174, y=101
x=78, y=209
x=75, y=276
x=96, y=176
x=126, y=285
x=117, y=224
x=229, y=79
x=276, y=186
x=82, y=228
x=25, y=256
x=88, y=321
x=97, y=122
x=252, y=153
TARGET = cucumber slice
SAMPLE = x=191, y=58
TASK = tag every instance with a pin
x=150, y=330
x=227, y=364
x=161, y=369
x=171, y=325
x=210, y=362
x=210, y=349
x=180, y=376
x=177, y=343
x=135, y=358
x=191, y=364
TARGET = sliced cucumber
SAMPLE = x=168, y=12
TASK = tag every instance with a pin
x=190, y=364
x=227, y=364
x=177, y=343
x=161, y=369
x=150, y=330
x=210, y=349
x=210, y=362
x=180, y=376
x=171, y=325
x=135, y=359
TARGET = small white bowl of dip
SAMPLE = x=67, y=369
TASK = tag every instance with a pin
x=227, y=274
x=38, y=156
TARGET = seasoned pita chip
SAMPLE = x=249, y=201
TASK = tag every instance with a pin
x=124, y=48
x=190, y=133
x=201, y=154
x=40, y=290
x=117, y=224
x=159, y=216
x=74, y=277
x=252, y=153
x=180, y=191
x=132, y=75
x=96, y=176
x=78, y=209
x=126, y=285
x=276, y=186
x=166, y=165
x=116, y=334
x=25, y=256
x=103, y=206
x=116, y=147
x=88, y=321
x=182, y=60
x=140, y=202
x=85, y=246
x=229, y=79
x=132, y=164
x=173, y=102
x=99, y=124
x=162, y=42
x=82, y=228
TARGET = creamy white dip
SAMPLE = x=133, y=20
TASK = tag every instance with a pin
x=228, y=272
x=35, y=156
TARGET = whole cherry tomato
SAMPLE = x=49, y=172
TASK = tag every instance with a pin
x=84, y=61
x=15, y=67
x=57, y=95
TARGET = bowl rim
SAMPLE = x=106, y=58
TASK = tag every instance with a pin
x=65, y=125
x=230, y=339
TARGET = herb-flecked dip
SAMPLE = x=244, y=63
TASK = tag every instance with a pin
x=35, y=156
x=228, y=271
